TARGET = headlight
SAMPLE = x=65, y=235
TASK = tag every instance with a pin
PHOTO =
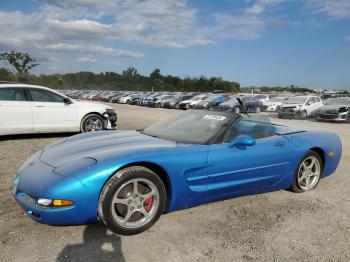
x=47, y=203
x=110, y=110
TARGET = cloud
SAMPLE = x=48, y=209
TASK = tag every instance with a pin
x=86, y=59
x=92, y=49
x=333, y=8
x=87, y=30
x=78, y=29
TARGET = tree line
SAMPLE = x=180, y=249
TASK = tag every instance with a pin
x=129, y=79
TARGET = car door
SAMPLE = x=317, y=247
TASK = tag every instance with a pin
x=51, y=113
x=251, y=169
x=312, y=104
x=15, y=112
x=316, y=105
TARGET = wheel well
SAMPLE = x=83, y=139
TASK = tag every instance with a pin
x=156, y=169
x=90, y=113
x=320, y=152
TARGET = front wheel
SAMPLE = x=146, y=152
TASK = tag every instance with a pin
x=92, y=122
x=308, y=173
x=132, y=201
x=303, y=114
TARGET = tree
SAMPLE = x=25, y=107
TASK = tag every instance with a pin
x=22, y=62
x=155, y=74
x=5, y=75
x=131, y=72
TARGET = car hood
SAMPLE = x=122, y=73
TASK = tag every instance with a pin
x=96, y=106
x=270, y=103
x=290, y=105
x=203, y=102
x=333, y=107
x=229, y=103
x=187, y=101
x=101, y=145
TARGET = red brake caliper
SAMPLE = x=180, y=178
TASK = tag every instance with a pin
x=148, y=203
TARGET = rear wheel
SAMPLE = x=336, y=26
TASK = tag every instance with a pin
x=132, y=201
x=92, y=122
x=308, y=173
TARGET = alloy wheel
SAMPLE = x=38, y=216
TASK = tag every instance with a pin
x=135, y=203
x=309, y=173
x=93, y=124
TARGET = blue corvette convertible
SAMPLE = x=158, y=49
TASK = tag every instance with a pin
x=128, y=179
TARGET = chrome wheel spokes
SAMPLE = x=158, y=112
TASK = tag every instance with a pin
x=309, y=173
x=135, y=203
x=93, y=124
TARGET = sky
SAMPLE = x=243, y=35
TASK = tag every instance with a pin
x=255, y=42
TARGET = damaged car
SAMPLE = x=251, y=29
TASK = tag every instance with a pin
x=335, y=109
x=36, y=109
x=299, y=107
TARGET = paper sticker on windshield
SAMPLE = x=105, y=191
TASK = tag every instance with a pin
x=214, y=117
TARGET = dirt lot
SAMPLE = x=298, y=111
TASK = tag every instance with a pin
x=278, y=226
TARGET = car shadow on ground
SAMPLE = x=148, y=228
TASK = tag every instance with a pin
x=35, y=136
x=99, y=244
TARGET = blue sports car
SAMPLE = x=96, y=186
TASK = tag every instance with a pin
x=128, y=179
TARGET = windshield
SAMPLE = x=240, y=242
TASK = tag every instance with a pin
x=260, y=96
x=296, y=100
x=192, y=126
x=198, y=98
x=338, y=101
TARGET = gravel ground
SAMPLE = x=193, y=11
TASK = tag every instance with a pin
x=278, y=226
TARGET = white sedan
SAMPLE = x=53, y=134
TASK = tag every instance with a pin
x=36, y=109
x=301, y=106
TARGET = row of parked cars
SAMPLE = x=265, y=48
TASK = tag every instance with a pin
x=284, y=105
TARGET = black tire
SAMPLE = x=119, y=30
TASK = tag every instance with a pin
x=116, y=183
x=303, y=114
x=279, y=116
x=295, y=185
x=84, y=128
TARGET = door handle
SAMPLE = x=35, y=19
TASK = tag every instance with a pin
x=279, y=144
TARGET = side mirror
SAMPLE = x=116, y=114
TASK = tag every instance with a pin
x=67, y=101
x=242, y=141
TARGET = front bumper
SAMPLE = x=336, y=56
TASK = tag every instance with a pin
x=338, y=117
x=270, y=109
x=289, y=112
x=112, y=117
x=38, y=180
